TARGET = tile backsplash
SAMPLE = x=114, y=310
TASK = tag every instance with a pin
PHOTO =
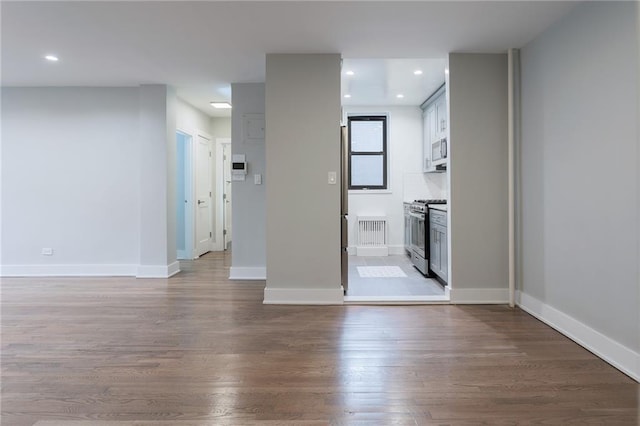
x=425, y=186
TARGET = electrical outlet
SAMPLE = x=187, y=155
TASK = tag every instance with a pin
x=47, y=251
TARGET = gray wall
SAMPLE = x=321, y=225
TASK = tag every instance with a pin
x=190, y=118
x=478, y=177
x=94, y=181
x=248, y=202
x=303, y=210
x=580, y=169
x=70, y=176
x=157, y=176
x=221, y=127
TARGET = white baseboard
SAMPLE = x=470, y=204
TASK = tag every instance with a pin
x=616, y=354
x=173, y=268
x=479, y=296
x=372, y=251
x=353, y=251
x=68, y=270
x=247, y=273
x=396, y=250
x=303, y=296
x=398, y=300
x=140, y=271
x=158, y=271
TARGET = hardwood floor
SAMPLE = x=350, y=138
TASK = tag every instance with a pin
x=198, y=349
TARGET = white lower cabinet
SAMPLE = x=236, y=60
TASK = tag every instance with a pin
x=438, y=250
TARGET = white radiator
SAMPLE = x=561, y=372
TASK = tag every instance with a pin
x=372, y=236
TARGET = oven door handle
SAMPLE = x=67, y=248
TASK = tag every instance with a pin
x=417, y=215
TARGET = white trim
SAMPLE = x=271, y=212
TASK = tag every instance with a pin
x=247, y=273
x=303, y=296
x=616, y=354
x=210, y=246
x=140, y=271
x=399, y=300
x=372, y=251
x=173, y=268
x=219, y=192
x=371, y=191
x=68, y=270
x=510, y=171
x=488, y=296
x=158, y=271
x=396, y=249
x=393, y=250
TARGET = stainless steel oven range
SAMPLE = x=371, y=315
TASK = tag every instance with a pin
x=419, y=217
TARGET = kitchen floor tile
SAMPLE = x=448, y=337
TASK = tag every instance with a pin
x=414, y=284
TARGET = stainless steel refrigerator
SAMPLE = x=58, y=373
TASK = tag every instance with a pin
x=344, y=207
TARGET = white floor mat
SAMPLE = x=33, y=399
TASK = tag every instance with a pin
x=380, y=272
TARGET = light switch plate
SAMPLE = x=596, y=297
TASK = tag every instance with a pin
x=257, y=179
x=333, y=178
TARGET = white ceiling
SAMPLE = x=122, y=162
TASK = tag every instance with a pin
x=202, y=47
x=380, y=81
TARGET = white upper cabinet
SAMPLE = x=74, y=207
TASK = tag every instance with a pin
x=441, y=116
x=435, y=131
x=429, y=134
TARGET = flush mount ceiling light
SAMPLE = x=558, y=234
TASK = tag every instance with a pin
x=347, y=96
x=349, y=72
x=52, y=58
x=418, y=72
x=221, y=105
x=399, y=96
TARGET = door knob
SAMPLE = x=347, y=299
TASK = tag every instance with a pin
x=200, y=202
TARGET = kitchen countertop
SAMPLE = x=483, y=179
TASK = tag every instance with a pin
x=442, y=207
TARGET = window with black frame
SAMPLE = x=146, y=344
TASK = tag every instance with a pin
x=367, y=152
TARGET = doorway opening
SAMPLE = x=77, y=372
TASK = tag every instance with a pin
x=388, y=109
x=184, y=196
x=194, y=196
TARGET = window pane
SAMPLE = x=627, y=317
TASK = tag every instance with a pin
x=366, y=136
x=367, y=170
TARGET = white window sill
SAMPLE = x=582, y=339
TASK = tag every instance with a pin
x=369, y=191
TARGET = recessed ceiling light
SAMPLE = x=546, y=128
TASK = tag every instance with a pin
x=418, y=72
x=399, y=96
x=349, y=72
x=347, y=96
x=446, y=70
x=221, y=105
x=52, y=58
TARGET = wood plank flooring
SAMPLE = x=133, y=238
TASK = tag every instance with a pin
x=198, y=349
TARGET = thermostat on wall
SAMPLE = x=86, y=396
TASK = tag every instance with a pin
x=238, y=167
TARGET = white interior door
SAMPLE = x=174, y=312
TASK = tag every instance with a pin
x=227, y=194
x=203, y=186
